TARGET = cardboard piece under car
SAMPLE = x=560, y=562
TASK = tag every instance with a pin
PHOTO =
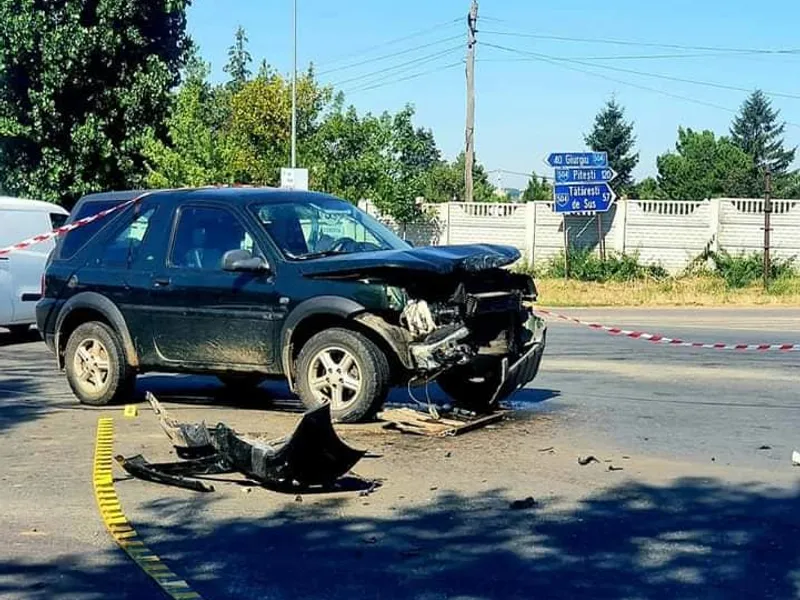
x=408, y=420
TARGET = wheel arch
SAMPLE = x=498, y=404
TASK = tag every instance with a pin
x=324, y=312
x=91, y=306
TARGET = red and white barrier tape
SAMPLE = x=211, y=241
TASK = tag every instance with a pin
x=69, y=227
x=660, y=339
x=101, y=215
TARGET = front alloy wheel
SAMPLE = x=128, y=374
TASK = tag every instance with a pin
x=334, y=376
x=345, y=369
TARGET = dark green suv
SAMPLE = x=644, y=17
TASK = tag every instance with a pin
x=253, y=283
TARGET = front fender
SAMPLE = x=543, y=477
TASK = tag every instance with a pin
x=336, y=306
x=100, y=304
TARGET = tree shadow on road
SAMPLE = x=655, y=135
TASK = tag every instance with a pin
x=692, y=539
x=19, y=400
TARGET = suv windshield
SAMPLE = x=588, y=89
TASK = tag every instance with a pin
x=321, y=227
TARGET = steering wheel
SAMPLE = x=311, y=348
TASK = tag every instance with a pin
x=345, y=244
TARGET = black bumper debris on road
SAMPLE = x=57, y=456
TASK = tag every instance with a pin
x=313, y=456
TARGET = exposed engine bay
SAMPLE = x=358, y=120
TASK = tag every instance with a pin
x=453, y=319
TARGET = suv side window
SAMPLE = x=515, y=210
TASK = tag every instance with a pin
x=204, y=234
x=124, y=247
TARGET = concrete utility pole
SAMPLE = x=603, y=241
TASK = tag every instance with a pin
x=469, y=151
x=767, y=213
x=294, y=86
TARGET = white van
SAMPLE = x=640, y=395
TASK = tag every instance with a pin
x=21, y=271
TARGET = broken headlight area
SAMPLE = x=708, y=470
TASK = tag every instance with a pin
x=313, y=456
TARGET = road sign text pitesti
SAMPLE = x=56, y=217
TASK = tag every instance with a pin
x=584, y=175
x=578, y=159
x=583, y=198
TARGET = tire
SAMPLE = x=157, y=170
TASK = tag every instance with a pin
x=472, y=387
x=19, y=331
x=113, y=384
x=242, y=381
x=318, y=379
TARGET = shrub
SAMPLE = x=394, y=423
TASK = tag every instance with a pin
x=742, y=269
x=585, y=265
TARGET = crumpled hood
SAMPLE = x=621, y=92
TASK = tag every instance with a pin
x=429, y=259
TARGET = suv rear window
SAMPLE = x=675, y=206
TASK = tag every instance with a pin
x=77, y=238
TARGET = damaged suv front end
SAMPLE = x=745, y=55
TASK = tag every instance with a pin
x=456, y=316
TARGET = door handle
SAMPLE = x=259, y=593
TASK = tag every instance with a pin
x=161, y=282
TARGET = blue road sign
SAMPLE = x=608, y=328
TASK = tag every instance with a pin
x=596, y=197
x=578, y=159
x=592, y=175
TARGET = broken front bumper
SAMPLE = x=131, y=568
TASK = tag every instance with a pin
x=313, y=455
x=522, y=371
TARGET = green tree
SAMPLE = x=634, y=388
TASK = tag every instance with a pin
x=83, y=86
x=758, y=133
x=612, y=134
x=239, y=59
x=538, y=189
x=445, y=182
x=385, y=159
x=788, y=186
x=413, y=153
x=194, y=153
x=703, y=166
x=259, y=129
x=648, y=189
x=349, y=158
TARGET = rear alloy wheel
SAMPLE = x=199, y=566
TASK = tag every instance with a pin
x=346, y=370
x=96, y=367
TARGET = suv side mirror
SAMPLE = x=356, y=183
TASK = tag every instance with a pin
x=242, y=260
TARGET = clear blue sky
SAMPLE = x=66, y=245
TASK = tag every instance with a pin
x=527, y=108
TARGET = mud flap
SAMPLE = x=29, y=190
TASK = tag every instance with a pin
x=522, y=371
x=313, y=455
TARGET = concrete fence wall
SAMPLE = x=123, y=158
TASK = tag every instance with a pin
x=666, y=232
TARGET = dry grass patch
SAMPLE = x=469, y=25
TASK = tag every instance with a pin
x=685, y=291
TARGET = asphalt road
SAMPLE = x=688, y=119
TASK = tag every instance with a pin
x=698, y=511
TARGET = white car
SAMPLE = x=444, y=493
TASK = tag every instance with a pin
x=21, y=271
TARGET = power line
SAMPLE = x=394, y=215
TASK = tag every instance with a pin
x=644, y=44
x=375, y=85
x=537, y=55
x=390, y=55
x=635, y=85
x=402, y=66
x=648, y=89
x=640, y=56
x=393, y=41
x=530, y=175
